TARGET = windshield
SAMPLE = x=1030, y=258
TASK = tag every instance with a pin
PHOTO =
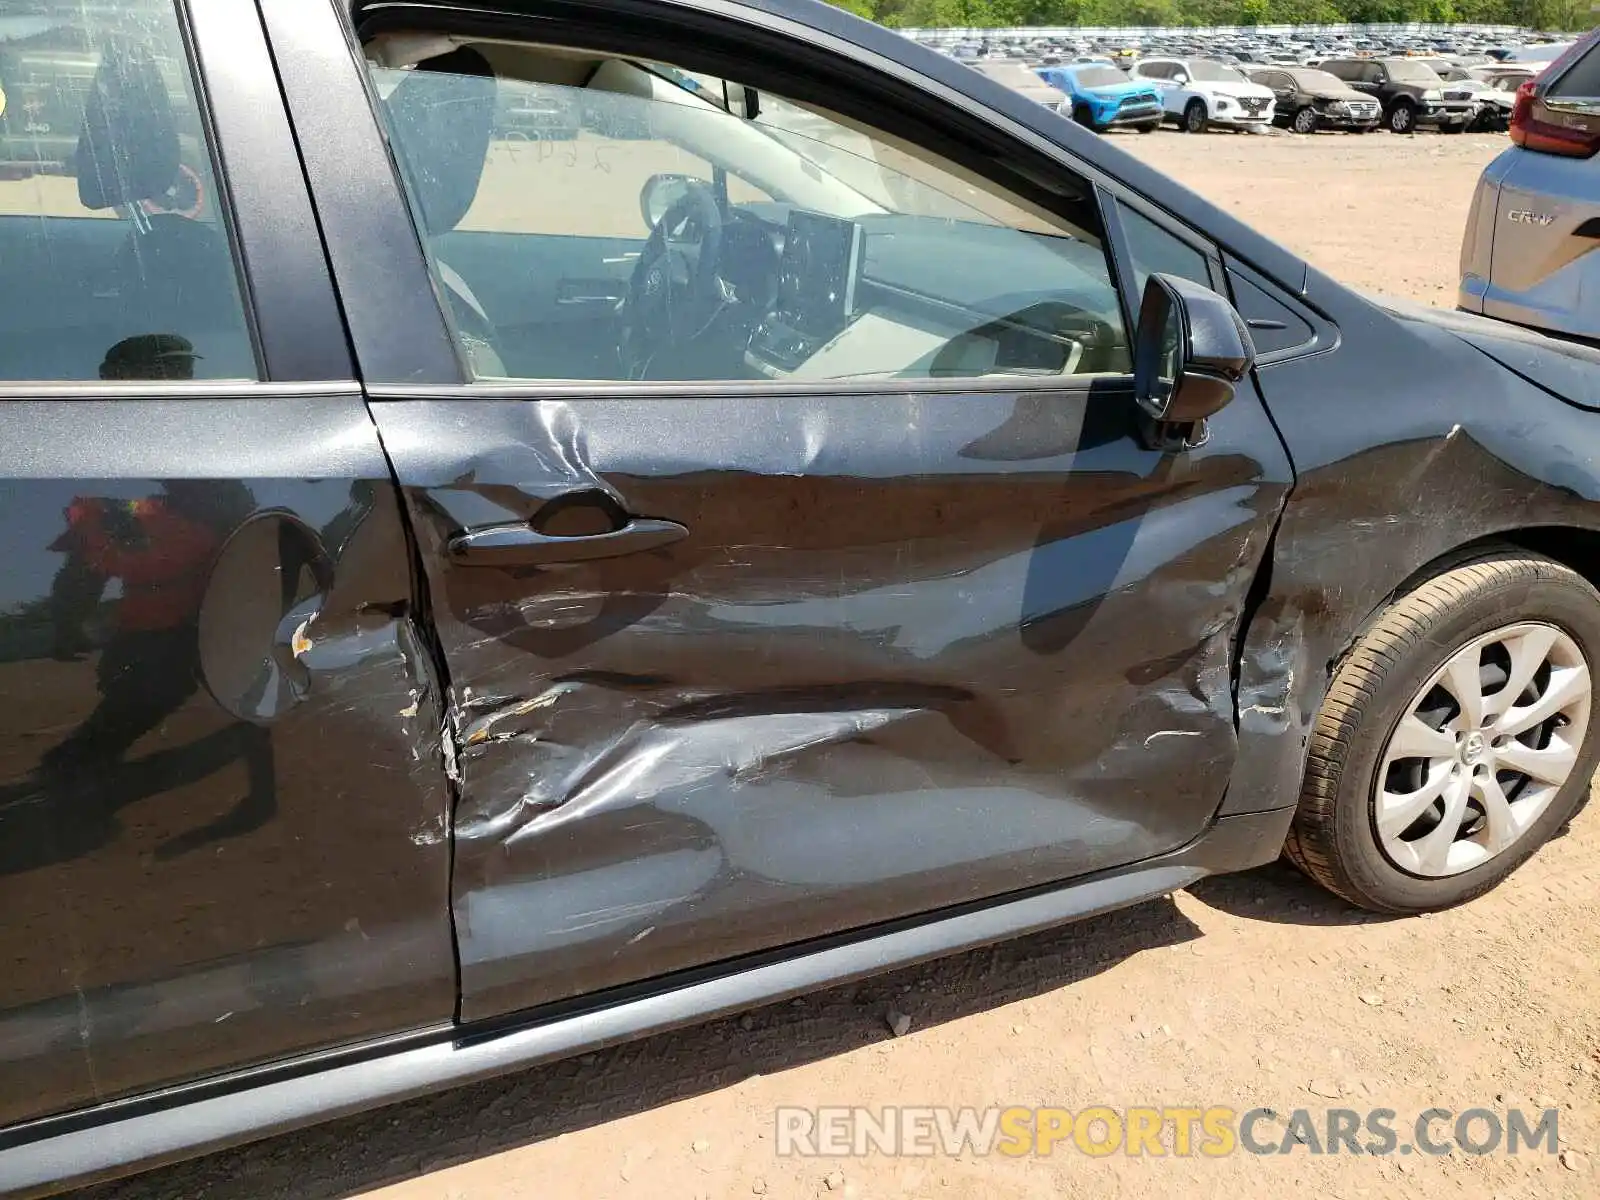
x=1210, y=72
x=1012, y=75
x=1412, y=72
x=1093, y=77
x=1320, y=79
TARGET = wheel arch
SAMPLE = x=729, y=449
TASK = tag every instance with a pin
x=1282, y=676
x=1570, y=545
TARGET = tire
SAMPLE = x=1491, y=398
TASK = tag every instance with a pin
x=1402, y=118
x=1304, y=120
x=1335, y=837
x=1082, y=116
x=1194, y=117
x=1149, y=127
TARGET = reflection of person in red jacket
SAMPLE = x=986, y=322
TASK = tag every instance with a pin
x=160, y=549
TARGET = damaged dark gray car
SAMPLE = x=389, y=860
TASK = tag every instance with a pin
x=471, y=598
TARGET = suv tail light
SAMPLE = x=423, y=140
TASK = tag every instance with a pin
x=1558, y=112
x=1536, y=127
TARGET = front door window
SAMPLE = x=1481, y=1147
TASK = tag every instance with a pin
x=589, y=217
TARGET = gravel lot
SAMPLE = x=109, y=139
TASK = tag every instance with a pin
x=1255, y=990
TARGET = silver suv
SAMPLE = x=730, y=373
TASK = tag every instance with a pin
x=1531, y=253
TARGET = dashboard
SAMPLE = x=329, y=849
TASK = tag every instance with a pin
x=893, y=296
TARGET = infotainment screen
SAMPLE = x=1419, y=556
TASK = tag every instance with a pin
x=817, y=275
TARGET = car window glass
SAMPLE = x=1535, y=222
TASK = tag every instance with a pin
x=1094, y=77
x=1413, y=72
x=1581, y=81
x=1155, y=70
x=604, y=219
x=1154, y=249
x=1317, y=79
x=111, y=229
x=1206, y=71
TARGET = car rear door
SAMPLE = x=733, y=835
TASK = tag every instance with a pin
x=740, y=663
x=223, y=806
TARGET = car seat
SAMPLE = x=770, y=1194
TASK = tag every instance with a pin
x=172, y=275
x=441, y=118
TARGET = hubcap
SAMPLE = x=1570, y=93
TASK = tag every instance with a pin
x=1483, y=749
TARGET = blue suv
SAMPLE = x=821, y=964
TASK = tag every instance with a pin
x=1103, y=97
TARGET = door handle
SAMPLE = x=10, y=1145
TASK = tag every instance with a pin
x=523, y=545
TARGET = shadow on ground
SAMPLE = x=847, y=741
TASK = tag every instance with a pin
x=1280, y=894
x=359, y=1153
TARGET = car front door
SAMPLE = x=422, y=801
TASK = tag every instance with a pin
x=844, y=588
x=223, y=806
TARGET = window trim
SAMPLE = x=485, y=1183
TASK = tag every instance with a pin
x=522, y=391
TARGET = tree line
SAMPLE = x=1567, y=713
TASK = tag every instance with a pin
x=1534, y=14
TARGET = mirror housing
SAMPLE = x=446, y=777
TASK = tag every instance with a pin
x=660, y=193
x=1190, y=351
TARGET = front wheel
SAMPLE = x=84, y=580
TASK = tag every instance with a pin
x=1402, y=119
x=1456, y=736
x=1305, y=121
x=1194, y=117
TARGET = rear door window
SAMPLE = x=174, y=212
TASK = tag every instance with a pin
x=117, y=256
x=1581, y=81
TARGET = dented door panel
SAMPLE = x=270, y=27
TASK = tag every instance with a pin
x=914, y=650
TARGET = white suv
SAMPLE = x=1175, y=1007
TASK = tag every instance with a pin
x=1196, y=92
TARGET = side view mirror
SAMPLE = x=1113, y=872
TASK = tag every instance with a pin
x=1180, y=77
x=1190, y=350
x=660, y=193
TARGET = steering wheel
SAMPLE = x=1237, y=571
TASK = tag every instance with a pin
x=676, y=288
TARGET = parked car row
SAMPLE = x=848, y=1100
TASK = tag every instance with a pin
x=1449, y=81
x=1302, y=48
x=1356, y=95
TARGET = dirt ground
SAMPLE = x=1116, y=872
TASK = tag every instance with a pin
x=1255, y=990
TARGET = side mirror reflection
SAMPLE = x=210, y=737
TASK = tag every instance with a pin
x=661, y=192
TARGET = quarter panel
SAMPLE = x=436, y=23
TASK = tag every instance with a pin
x=1407, y=444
